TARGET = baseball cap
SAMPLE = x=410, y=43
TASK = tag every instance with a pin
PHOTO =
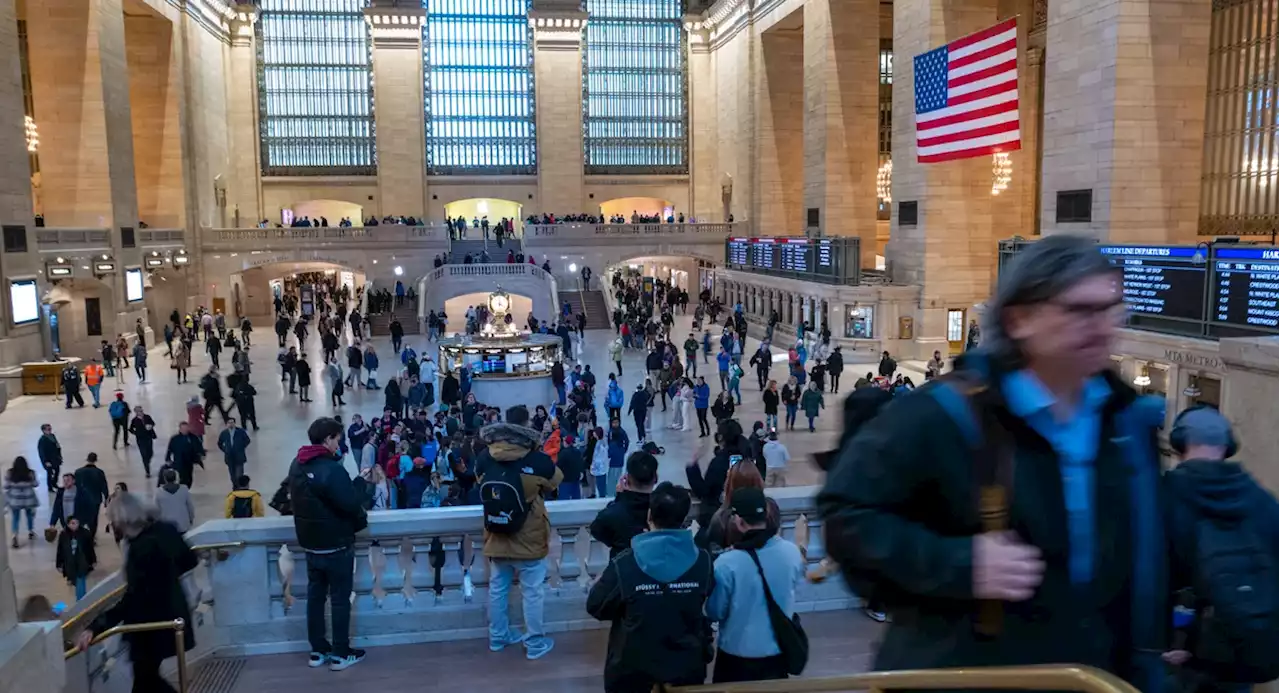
x=749, y=504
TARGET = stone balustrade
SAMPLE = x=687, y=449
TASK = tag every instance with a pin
x=699, y=233
x=161, y=238
x=483, y=278
x=68, y=240
x=329, y=236
x=420, y=576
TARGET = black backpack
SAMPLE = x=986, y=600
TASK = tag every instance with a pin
x=242, y=506
x=502, y=494
x=1235, y=587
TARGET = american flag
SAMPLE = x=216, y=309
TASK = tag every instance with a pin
x=967, y=96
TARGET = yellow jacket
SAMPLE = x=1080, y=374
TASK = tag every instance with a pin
x=245, y=493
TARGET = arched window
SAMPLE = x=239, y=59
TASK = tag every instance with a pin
x=315, y=88
x=478, y=67
x=635, y=105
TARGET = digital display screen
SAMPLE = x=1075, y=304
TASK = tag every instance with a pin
x=24, y=301
x=133, y=285
x=494, y=363
x=1246, y=288
x=819, y=259
x=1161, y=281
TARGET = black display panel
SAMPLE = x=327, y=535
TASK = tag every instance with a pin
x=1246, y=288
x=1161, y=282
x=815, y=259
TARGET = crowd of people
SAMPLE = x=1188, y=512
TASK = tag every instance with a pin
x=635, y=218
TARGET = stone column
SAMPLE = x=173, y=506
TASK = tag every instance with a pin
x=80, y=84
x=778, y=200
x=950, y=251
x=398, y=109
x=1124, y=105
x=17, y=343
x=704, y=183
x=841, y=117
x=155, y=92
x=557, y=64
x=244, y=187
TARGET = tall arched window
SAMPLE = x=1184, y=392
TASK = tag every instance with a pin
x=315, y=88
x=478, y=66
x=635, y=105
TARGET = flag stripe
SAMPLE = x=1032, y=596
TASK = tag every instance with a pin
x=1000, y=92
x=969, y=153
x=997, y=103
x=981, y=39
x=977, y=85
x=999, y=70
x=1007, y=116
x=994, y=56
x=1001, y=142
x=969, y=134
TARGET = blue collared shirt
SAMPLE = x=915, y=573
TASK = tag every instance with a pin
x=1075, y=440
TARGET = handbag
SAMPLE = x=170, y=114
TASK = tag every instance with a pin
x=792, y=640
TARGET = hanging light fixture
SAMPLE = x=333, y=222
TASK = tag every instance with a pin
x=33, y=135
x=884, y=181
x=1001, y=172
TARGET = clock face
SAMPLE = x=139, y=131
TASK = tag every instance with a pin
x=499, y=303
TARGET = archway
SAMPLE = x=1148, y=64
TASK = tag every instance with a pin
x=492, y=208
x=644, y=206
x=456, y=309
x=332, y=210
x=253, y=291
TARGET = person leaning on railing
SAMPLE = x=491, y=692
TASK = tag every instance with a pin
x=156, y=559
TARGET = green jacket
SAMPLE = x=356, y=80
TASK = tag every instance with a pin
x=811, y=402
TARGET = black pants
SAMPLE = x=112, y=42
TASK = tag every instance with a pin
x=74, y=395
x=118, y=426
x=53, y=477
x=329, y=575
x=146, y=673
x=639, y=418
x=146, y=451
x=615, y=413
x=835, y=382
x=210, y=405
x=248, y=413
x=335, y=396
x=704, y=428
x=396, y=343
x=730, y=668
x=619, y=365
x=141, y=369
x=213, y=358
x=763, y=377
x=281, y=338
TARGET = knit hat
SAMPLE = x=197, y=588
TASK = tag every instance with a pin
x=1204, y=426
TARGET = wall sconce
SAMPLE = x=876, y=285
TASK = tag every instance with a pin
x=1001, y=172
x=33, y=134
x=884, y=181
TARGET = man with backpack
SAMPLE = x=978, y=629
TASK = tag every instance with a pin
x=1222, y=526
x=118, y=410
x=1066, y=565
x=243, y=501
x=514, y=474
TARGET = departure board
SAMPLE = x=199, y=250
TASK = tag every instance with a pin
x=830, y=260
x=1162, y=281
x=1246, y=288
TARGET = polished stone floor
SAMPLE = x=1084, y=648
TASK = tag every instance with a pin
x=284, y=419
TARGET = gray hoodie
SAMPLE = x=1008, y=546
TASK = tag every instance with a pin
x=176, y=508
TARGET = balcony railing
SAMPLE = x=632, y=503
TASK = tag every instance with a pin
x=73, y=239
x=496, y=270
x=421, y=576
x=696, y=233
x=308, y=236
x=157, y=238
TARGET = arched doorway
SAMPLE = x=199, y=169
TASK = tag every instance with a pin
x=481, y=208
x=332, y=210
x=643, y=206
x=253, y=291
x=456, y=309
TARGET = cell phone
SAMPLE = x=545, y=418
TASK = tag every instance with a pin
x=734, y=459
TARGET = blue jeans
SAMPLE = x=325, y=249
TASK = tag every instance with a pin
x=560, y=394
x=791, y=414
x=602, y=486
x=533, y=576
x=570, y=490
x=735, y=389
x=811, y=418
x=96, y=390
x=329, y=577
x=14, y=513
x=81, y=588
x=771, y=421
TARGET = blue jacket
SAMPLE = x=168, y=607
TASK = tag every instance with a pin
x=706, y=342
x=407, y=354
x=234, y=446
x=417, y=394
x=618, y=444
x=370, y=361
x=701, y=396
x=614, y=398
x=430, y=451
x=358, y=434
x=722, y=359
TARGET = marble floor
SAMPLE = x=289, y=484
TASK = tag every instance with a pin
x=284, y=420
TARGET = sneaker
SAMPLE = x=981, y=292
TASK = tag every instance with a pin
x=539, y=650
x=353, y=658
x=877, y=616
x=317, y=659
x=513, y=637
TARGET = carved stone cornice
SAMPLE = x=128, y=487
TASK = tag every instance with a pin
x=557, y=30
x=396, y=27
x=240, y=29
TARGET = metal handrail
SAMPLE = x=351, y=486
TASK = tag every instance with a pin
x=177, y=625
x=70, y=625
x=1059, y=677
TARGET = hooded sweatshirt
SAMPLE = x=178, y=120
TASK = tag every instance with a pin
x=176, y=508
x=327, y=511
x=1216, y=489
x=509, y=444
x=738, y=600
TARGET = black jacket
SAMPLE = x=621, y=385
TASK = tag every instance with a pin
x=835, y=363
x=355, y=357
x=887, y=367
x=655, y=599
x=154, y=565
x=49, y=450
x=624, y=517
x=327, y=511
x=900, y=515
x=571, y=464
x=450, y=390
x=92, y=482
x=185, y=452
x=80, y=561
x=145, y=438
x=770, y=398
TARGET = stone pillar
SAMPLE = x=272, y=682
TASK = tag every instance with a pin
x=950, y=251
x=155, y=91
x=244, y=187
x=841, y=117
x=704, y=184
x=778, y=199
x=80, y=85
x=557, y=64
x=398, y=109
x=1124, y=105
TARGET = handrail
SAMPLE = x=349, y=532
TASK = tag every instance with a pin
x=1057, y=677
x=178, y=626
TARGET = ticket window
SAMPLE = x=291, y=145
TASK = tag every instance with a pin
x=955, y=330
x=1203, y=389
x=859, y=322
x=1152, y=379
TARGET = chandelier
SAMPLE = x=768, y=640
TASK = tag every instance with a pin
x=884, y=181
x=1001, y=172
x=33, y=137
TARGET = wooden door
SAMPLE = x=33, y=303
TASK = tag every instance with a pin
x=956, y=330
